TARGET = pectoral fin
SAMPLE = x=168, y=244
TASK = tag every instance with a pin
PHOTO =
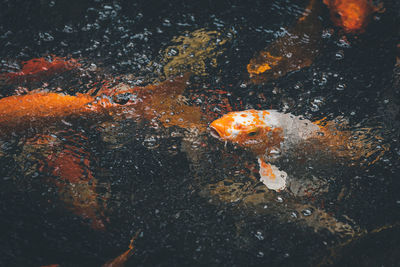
x=271, y=176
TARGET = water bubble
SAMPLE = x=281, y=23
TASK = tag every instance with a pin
x=52, y=3
x=243, y=85
x=5, y=35
x=314, y=107
x=196, y=144
x=172, y=52
x=279, y=199
x=298, y=86
x=294, y=214
x=340, y=86
x=92, y=67
x=47, y=37
x=343, y=43
x=339, y=55
x=275, y=153
x=327, y=33
x=67, y=29
x=259, y=235
x=260, y=254
x=306, y=212
x=166, y=22
x=150, y=142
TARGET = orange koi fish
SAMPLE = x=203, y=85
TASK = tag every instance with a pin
x=293, y=51
x=270, y=134
x=151, y=102
x=67, y=166
x=36, y=69
x=352, y=15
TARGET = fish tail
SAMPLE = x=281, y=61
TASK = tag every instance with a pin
x=368, y=144
x=365, y=144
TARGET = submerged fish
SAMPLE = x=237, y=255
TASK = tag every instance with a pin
x=39, y=109
x=121, y=260
x=68, y=166
x=293, y=51
x=36, y=69
x=352, y=15
x=270, y=134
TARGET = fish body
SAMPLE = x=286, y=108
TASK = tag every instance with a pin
x=291, y=52
x=270, y=134
x=263, y=131
x=68, y=166
x=36, y=69
x=39, y=109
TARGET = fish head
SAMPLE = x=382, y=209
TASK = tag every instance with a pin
x=251, y=129
x=264, y=67
x=351, y=15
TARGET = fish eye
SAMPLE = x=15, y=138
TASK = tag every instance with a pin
x=252, y=133
x=123, y=98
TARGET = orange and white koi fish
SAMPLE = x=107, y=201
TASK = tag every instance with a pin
x=291, y=52
x=270, y=134
x=352, y=15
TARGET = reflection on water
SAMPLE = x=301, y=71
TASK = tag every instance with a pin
x=123, y=152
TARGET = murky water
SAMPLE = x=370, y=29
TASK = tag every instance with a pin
x=75, y=188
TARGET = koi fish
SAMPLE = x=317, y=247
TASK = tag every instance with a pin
x=160, y=102
x=352, y=15
x=293, y=51
x=66, y=164
x=36, y=69
x=270, y=134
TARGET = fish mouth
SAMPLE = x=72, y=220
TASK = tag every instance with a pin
x=215, y=133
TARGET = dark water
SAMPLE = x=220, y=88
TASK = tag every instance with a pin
x=191, y=198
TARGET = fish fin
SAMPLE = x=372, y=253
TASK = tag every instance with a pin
x=173, y=87
x=271, y=176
